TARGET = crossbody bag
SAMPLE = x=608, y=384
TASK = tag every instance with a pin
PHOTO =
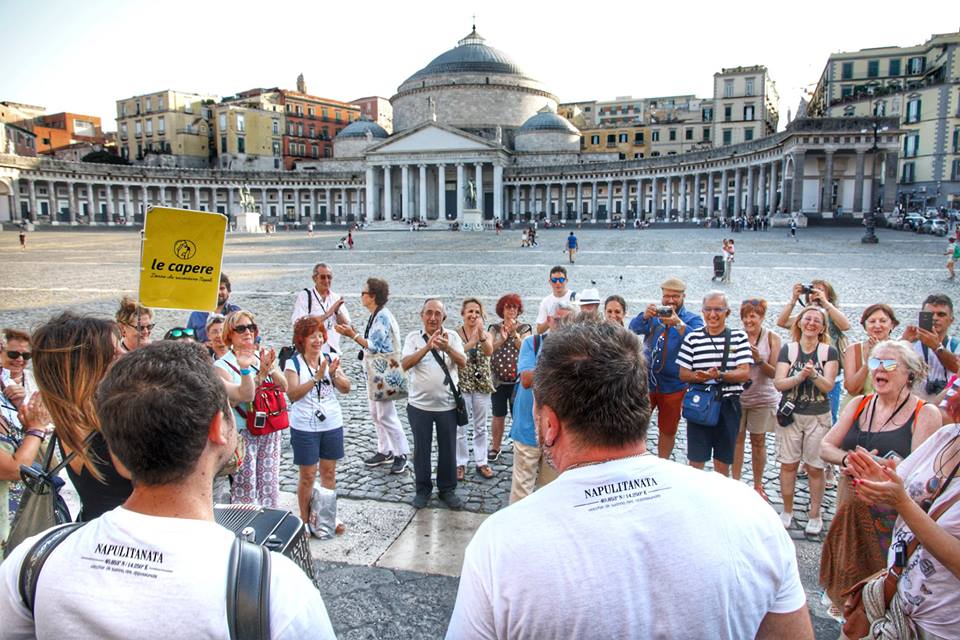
x=702, y=402
x=462, y=416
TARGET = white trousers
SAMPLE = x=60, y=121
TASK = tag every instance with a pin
x=478, y=408
x=390, y=435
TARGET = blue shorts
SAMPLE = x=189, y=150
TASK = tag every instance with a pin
x=719, y=440
x=309, y=447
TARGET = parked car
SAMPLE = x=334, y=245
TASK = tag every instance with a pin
x=935, y=227
x=911, y=222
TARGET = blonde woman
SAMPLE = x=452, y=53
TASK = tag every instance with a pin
x=242, y=370
x=135, y=322
x=806, y=372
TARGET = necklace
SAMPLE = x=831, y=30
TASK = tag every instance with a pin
x=938, y=484
x=590, y=463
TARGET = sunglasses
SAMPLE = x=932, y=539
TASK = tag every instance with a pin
x=322, y=276
x=13, y=355
x=243, y=328
x=365, y=293
x=888, y=364
x=144, y=327
x=557, y=280
x=179, y=333
x=753, y=302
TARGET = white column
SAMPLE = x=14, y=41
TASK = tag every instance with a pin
x=460, y=183
x=330, y=213
x=32, y=189
x=497, y=192
x=577, y=208
x=110, y=209
x=423, y=193
x=625, y=198
x=405, y=193
x=479, y=177
x=128, y=203
x=92, y=203
x=609, y=200
x=563, y=201
x=387, y=194
x=593, y=202
x=442, y=192
x=371, y=207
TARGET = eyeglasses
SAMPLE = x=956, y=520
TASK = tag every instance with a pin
x=365, y=293
x=13, y=355
x=243, y=328
x=888, y=364
x=323, y=276
x=557, y=280
x=714, y=309
x=144, y=327
x=179, y=333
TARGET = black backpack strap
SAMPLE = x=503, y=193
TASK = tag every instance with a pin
x=248, y=591
x=309, y=301
x=36, y=557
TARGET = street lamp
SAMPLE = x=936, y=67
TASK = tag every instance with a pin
x=870, y=217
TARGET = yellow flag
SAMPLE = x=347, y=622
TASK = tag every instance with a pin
x=182, y=254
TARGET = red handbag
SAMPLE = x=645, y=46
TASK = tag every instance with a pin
x=268, y=411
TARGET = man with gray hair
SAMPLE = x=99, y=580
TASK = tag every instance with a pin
x=530, y=468
x=606, y=535
x=715, y=359
x=322, y=302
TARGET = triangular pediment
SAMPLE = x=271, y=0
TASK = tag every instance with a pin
x=431, y=137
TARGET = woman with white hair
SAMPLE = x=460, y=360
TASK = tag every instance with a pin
x=891, y=422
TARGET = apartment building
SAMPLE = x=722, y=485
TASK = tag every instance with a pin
x=167, y=128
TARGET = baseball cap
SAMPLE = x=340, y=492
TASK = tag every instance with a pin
x=588, y=296
x=674, y=284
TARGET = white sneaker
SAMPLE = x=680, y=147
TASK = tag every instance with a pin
x=787, y=519
x=814, y=526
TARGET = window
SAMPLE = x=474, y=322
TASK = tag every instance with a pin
x=956, y=140
x=728, y=88
x=241, y=122
x=188, y=107
x=688, y=134
x=241, y=144
x=222, y=121
x=749, y=89
x=123, y=130
x=894, y=69
x=149, y=127
x=149, y=108
x=314, y=151
x=638, y=137
x=748, y=112
x=955, y=170
x=276, y=127
x=325, y=134
x=727, y=136
x=311, y=112
x=312, y=131
x=916, y=65
x=706, y=134
x=747, y=135
x=323, y=112
x=907, y=176
x=707, y=114
x=873, y=68
x=913, y=111
x=623, y=137
x=300, y=110
x=846, y=71
x=594, y=139
x=276, y=148
x=161, y=125
x=727, y=113
x=293, y=148
x=223, y=144
x=672, y=135
x=300, y=129
x=289, y=128
x=611, y=139
x=846, y=91
x=911, y=143
x=655, y=135
x=138, y=128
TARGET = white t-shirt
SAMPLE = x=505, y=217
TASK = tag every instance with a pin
x=130, y=575
x=930, y=593
x=548, y=304
x=29, y=386
x=319, y=307
x=634, y=548
x=303, y=412
x=426, y=385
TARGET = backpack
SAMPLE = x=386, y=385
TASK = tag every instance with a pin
x=248, y=582
x=268, y=411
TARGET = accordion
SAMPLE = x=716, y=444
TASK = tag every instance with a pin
x=276, y=529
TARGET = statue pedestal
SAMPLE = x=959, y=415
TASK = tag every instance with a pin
x=472, y=220
x=248, y=222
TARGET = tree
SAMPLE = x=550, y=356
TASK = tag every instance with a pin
x=103, y=157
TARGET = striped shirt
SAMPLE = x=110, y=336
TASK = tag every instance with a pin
x=701, y=351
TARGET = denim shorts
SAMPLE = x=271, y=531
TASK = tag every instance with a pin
x=309, y=447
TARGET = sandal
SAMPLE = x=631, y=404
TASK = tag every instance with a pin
x=340, y=528
x=485, y=471
x=461, y=472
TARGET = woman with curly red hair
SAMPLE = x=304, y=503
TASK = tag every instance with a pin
x=507, y=336
x=316, y=419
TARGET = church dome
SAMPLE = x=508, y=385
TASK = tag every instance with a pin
x=359, y=129
x=547, y=120
x=471, y=55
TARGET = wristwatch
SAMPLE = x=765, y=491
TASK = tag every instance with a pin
x=37, y=433
x=940, y=348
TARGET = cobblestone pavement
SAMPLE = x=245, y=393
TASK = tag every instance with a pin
x=89, y=271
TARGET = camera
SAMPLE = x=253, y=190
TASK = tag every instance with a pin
x=785, y=414
x=260, y=420
x=319, y=414
x=664, y=311
x=806, y=289
x=934, y=387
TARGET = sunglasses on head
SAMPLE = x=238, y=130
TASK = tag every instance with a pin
x=888, y=364
x=243, y=328
x=753, y=302
x=558, y=280
x=179, y=333
x=13, y=355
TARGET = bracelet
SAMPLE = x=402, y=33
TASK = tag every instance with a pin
x=244, y=372
x=37, y=433
x=843, y=460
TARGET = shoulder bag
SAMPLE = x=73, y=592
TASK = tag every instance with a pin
x=463, y=417
x=268, y=411
x=701, y=402
x=386, y=379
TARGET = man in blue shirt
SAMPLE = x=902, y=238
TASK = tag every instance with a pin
x=663, y=329
x=572, y=246
x=530, y=467
x=198, y=319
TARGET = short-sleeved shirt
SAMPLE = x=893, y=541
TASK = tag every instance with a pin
x=935, y=370
x=382, y=333
x=310, y=302
x=322, y=398
x=229, y=364
x=198, y=321
x=808, y=398
x=571, y=242
x=548, y=304
x=522, y=429
x=426, y=381
x=701, y=351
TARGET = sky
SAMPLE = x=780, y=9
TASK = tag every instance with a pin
x=84, y=56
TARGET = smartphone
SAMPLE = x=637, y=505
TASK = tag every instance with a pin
x=925, y=320
x=260, y=420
